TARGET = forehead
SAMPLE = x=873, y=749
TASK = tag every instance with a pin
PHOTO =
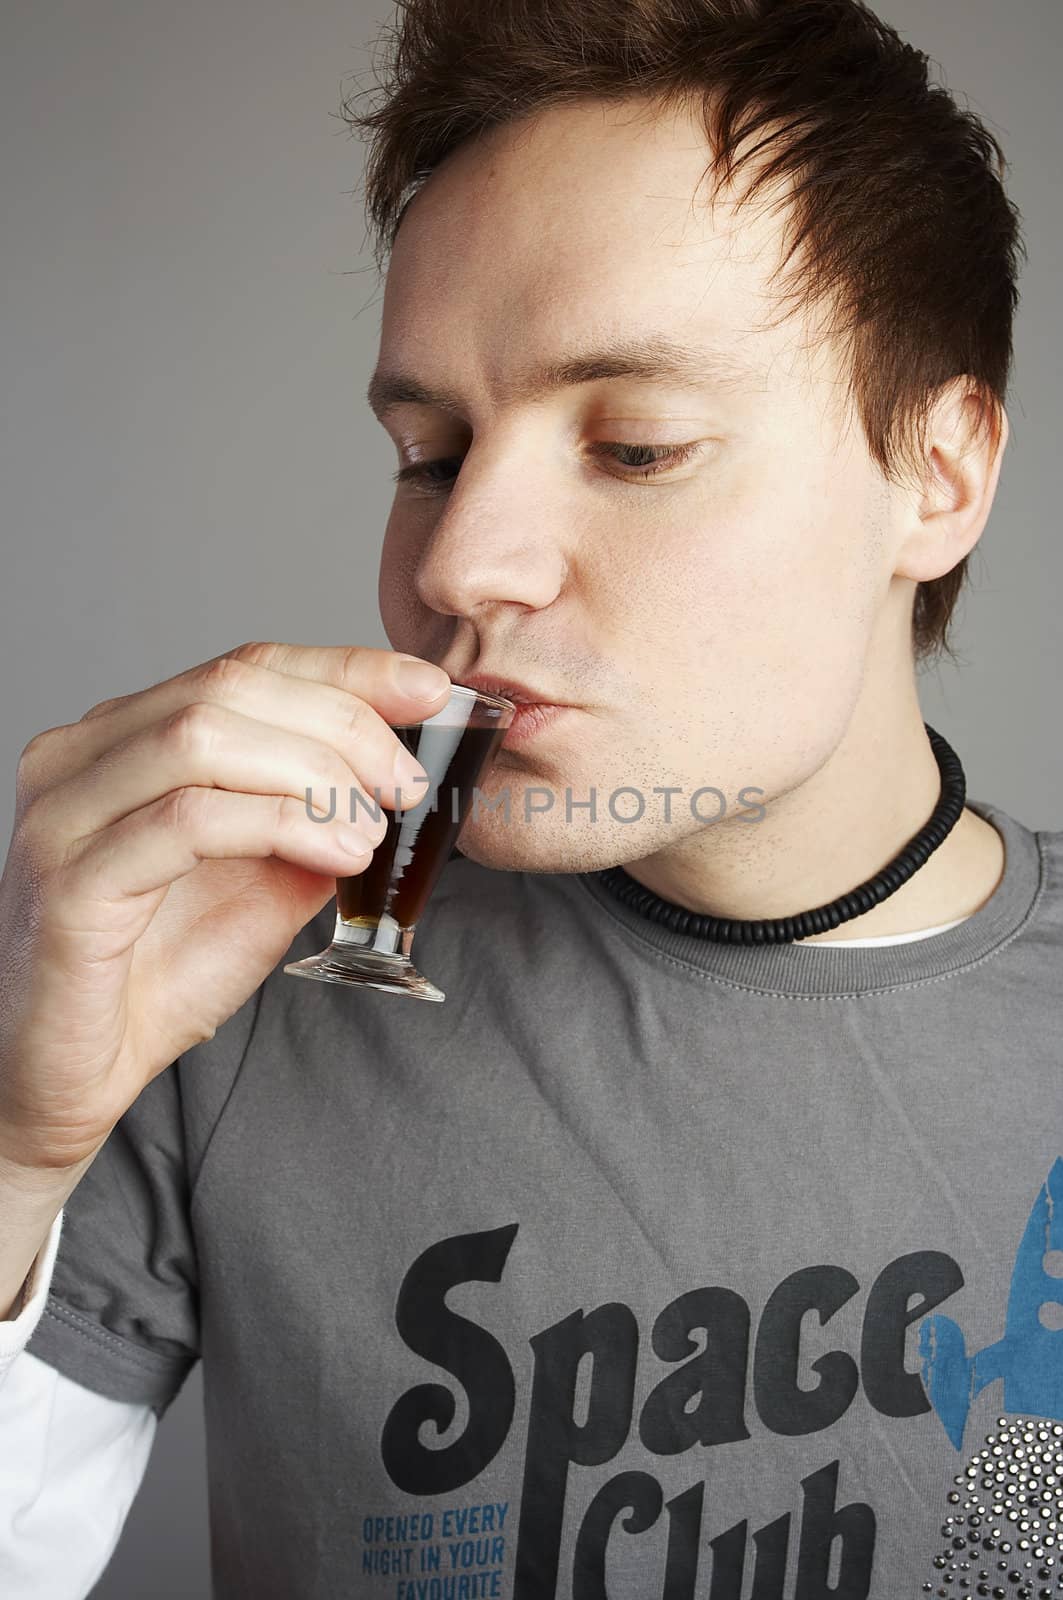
x=581, y=220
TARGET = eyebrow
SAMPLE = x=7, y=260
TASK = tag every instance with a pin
x=651, y=358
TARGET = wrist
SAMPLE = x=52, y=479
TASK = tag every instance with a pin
x=40, y=1174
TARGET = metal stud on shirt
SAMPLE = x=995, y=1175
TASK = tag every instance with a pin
x=1005, y=1537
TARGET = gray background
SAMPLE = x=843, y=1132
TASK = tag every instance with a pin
x=190, y=316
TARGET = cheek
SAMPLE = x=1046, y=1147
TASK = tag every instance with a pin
x=401, y=612
x=784, y=555
x=763, y=598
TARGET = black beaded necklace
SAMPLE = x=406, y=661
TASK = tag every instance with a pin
x=783, y=930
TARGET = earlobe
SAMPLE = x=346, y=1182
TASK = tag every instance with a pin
x=964, y=441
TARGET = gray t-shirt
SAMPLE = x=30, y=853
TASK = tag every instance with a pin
x=644, y=1267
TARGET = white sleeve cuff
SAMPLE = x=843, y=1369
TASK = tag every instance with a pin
x=15, y=1333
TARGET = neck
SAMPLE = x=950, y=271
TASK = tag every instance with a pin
x=835, y=830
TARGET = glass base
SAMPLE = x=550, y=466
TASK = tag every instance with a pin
x=343, y=963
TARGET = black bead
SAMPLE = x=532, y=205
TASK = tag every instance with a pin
x=784, y=930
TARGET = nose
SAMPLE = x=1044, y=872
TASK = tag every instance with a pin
x=501, y=535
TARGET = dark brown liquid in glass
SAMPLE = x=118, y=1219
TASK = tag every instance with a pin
x=418, y=842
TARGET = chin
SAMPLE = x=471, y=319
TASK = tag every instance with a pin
x=539, y=846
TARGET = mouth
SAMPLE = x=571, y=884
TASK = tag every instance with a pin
x=535, y=712
x=530, y=720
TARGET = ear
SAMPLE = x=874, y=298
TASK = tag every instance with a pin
x=949, y=505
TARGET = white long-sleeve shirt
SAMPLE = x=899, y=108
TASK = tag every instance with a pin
x=71, y=1460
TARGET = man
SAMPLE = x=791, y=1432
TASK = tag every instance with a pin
x=667, y=1258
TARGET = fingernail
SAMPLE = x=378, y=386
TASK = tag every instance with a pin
x=410, y=776
x=420, y=679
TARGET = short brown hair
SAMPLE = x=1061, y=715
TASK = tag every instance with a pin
x=900, y=225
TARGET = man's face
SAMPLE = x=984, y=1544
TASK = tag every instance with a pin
x=710, y=625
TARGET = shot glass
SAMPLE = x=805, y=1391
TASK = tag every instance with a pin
x=377, y=911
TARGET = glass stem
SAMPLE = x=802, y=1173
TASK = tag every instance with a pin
x=377, y=936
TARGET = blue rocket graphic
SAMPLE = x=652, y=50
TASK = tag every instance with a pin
x=1029, y=1358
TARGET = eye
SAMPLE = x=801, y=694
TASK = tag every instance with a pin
x=420, y=473
x=649, y=460
x=652, y=458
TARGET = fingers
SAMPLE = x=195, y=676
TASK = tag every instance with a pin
x=338, y=716
x=210, y=745
x=379, y=676
x=334, y=693
x=154, y=846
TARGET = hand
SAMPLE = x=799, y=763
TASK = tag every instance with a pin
x=162, y=860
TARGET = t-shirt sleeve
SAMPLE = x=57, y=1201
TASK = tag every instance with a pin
x=122, y=1313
